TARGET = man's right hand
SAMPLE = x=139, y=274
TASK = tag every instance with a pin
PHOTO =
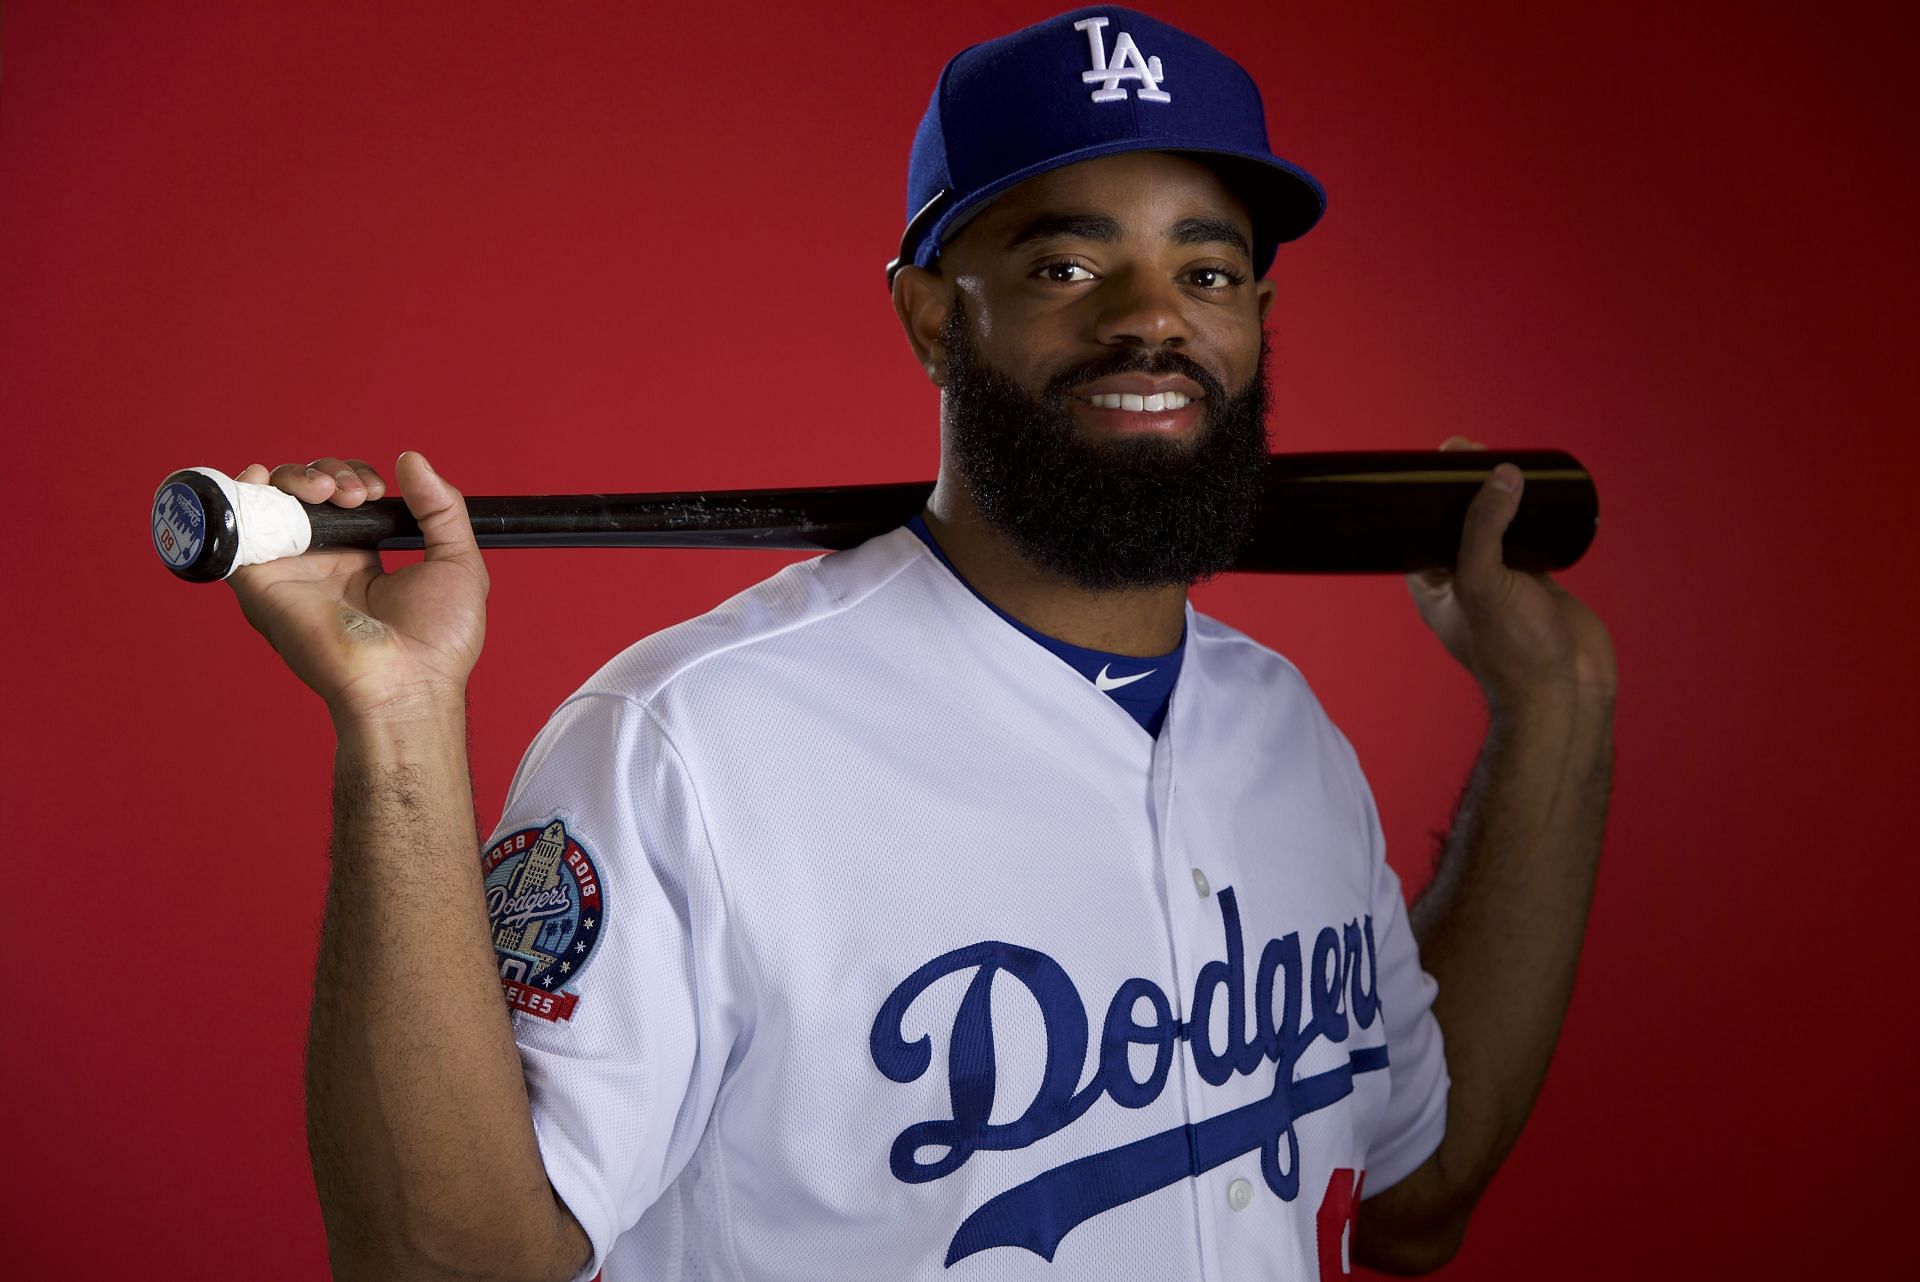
x=374, y=645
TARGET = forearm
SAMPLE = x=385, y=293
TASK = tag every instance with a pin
x=418, y=1122
x=1500, y=927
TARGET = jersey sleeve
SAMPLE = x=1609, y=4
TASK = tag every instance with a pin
x=624, y=1005
x=1416, y=1116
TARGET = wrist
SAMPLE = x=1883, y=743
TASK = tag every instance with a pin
x=414, y=714
x=1567, y=714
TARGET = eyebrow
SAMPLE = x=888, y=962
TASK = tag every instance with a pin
x=1106, y=230
x=1209, y=231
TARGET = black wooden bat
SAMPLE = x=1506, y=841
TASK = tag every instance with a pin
x=1352, y=512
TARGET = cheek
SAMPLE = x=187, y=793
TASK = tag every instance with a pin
x=983, y=318
x=1238, y=342
x=1030, y=354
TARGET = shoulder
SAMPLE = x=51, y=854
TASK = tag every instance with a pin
x=1236, y=671
x=636, y=734
x=813, y=611
x=1229, y=657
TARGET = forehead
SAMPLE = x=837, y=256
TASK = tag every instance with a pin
x=1145, y=191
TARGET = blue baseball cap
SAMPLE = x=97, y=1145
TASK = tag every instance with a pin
x=1091, y=83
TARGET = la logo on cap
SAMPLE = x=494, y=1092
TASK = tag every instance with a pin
x=1127, y=64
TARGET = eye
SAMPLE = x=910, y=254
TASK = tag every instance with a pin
x=1216, y=279
x=1056, y=272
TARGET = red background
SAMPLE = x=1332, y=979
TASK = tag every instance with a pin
x=607, y=246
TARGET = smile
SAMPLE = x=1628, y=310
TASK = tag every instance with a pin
x=1128, y=401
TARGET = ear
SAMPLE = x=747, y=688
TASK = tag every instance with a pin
x=1264, y=291
x=922, y=300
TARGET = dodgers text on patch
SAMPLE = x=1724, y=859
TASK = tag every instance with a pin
x=545, y=906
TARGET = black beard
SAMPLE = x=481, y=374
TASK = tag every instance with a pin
x=1137, y=512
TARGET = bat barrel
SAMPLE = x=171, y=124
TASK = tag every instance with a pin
x=1381, y=512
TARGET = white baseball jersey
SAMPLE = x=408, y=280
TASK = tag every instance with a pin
x=853, y=935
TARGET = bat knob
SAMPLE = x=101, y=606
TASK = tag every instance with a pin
x=196, y=529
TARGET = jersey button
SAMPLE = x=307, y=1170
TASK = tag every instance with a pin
x=1201, y=884
x=1239, y=1195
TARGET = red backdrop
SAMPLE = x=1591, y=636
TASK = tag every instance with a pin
x=599, y=246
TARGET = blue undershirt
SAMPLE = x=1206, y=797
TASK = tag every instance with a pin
x=1143, y=687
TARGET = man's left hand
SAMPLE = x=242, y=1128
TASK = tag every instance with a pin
x=1523, y=637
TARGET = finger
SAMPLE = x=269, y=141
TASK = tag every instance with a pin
x=1482, y=561
x=1460, y=443
x=1427, y=594
x=349, y=489
x=445, y=530
x=308, y=484
x=254, y=474
x=370, y=478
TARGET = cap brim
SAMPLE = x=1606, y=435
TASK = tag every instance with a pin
x=1284, y=200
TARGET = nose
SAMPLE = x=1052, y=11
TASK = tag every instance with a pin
x=1137, y=309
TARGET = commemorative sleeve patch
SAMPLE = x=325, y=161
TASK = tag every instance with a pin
x=545, y=905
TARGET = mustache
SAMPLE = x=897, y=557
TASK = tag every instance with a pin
x=1134, y=361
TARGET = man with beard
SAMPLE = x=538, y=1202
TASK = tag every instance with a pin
x=965, y=904
x=1148, y=509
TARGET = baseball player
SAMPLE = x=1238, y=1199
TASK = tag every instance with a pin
x=963, y=905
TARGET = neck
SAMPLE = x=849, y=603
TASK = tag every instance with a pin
x=1142, y=622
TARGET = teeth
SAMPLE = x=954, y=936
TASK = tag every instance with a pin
x=1149, y=404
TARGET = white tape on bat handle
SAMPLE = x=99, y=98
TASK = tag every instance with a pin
x=271, y=523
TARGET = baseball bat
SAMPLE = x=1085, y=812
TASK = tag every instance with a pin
x=1347, y=512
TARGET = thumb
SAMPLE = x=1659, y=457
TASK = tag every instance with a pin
x=446, y=533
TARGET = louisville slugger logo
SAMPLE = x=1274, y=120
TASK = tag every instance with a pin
x=1321, y=995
